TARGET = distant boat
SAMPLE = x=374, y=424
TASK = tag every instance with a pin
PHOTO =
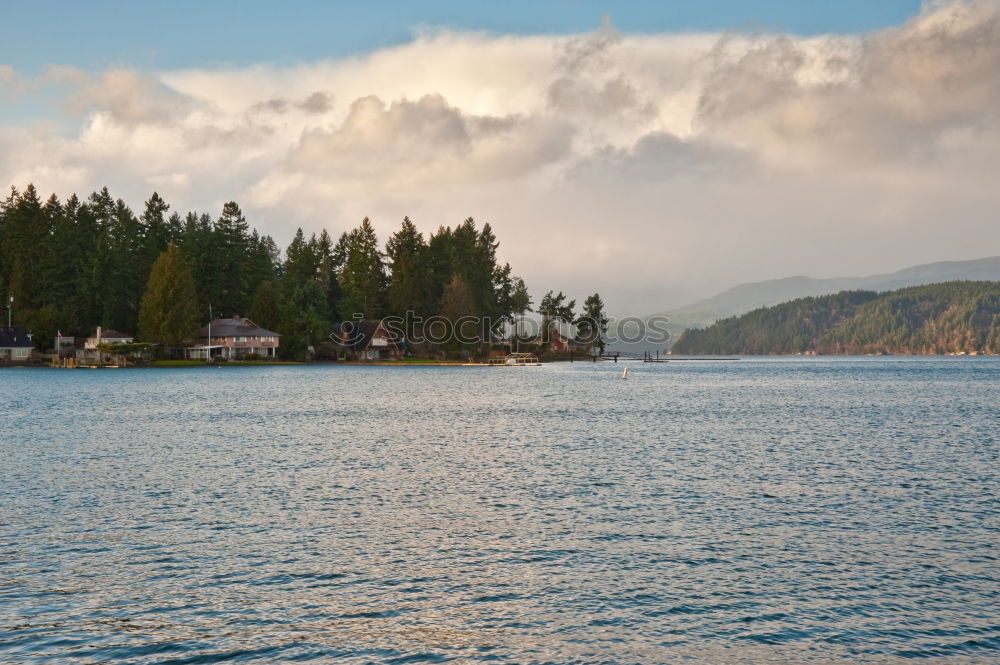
x=625, y=373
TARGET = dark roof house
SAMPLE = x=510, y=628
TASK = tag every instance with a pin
x=369, y=339
x=15, y=345
x=235, y=338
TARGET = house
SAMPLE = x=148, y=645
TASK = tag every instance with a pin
x=558, y=343
x=233, y=339
x=92, y=354
x=64, y=346
x=15, y=345
x=107, y=337
x=369, y=339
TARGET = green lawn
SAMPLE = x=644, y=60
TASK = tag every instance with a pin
x=236, y=363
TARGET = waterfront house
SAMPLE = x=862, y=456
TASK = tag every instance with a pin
x=101, y=336
x=557, y=343
x=233, y=339
x=15, y=345
x=369, y=339
x=92, y=354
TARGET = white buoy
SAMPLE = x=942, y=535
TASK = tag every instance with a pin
x=625, y=373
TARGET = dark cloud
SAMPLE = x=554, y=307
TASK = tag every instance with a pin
x=276, y=106
x=317, y=102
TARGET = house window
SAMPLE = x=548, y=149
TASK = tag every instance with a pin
x=20, y=353
x=241, y=339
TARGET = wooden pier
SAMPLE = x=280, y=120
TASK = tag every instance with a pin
x=650, y=358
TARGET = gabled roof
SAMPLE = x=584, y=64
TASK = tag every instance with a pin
x=236, y=327
x=358, y=335
x=15, y=338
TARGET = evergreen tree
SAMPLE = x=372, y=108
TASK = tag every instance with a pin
x=25, y=235
x=156, y=229
x=363, y=279
x=436, y=265
x=303, y=321
x=169, y=313
x=231, y=276
x=407, y=291
x=301, y=263
x=593, y=323
x=124, y=272
x=200, y=246
x=266, y=309
x=457, y=303
x=326, y=274
x=520, y=301
x=554, y=309
x=262, y=263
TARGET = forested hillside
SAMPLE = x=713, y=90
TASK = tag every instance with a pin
x=950, y=317
x=75, y=264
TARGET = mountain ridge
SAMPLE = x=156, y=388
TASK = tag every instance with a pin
x=943, y=317
x=748, y=296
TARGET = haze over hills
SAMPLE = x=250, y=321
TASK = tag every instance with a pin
x=746, y=297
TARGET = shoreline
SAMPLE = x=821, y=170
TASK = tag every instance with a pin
x=457, y=363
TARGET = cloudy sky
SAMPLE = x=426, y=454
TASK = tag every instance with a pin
x=654, y=154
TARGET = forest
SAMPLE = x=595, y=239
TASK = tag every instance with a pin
x=72, y=265
x=948, y=317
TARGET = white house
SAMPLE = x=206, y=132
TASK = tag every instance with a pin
x=107, y=337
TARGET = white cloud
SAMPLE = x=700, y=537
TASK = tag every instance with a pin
x=633, y=165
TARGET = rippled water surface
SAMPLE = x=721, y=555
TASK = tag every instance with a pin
x=827, y=510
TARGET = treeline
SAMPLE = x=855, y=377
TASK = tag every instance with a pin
x=73, y=265
x=949, y=317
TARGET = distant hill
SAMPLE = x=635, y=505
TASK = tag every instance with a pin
x=746, y=297
x=949, y=317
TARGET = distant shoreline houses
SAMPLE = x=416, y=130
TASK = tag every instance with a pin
x=240, y=338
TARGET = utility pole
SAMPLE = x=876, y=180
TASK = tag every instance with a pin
x=10, y=307
x=208, y=351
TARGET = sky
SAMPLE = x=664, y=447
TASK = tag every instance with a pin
x=654, y=152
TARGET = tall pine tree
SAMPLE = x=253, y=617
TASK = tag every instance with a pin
x=169, y=313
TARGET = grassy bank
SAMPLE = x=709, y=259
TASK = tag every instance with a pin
x=234, y=363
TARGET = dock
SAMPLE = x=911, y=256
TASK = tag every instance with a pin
x=650, y=358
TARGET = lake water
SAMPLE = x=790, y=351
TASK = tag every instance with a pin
x=772, y=510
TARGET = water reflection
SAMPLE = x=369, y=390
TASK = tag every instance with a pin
x=751, y=512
